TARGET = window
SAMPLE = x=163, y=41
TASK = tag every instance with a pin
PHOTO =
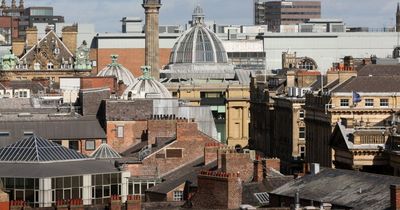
x=301, y=114
x=369, y=102
x=23, y=94
x=384, y=102
x=302, y=132
x=50, y=66
x=73, y=145
x=90, y=145
x=344, y=102
x=4, y=133
x=120, y=131
x=302, y=151
x=173, y=153
x=178, y=195
x=28, y=133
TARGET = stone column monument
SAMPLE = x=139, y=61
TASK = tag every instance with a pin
x=152, y=51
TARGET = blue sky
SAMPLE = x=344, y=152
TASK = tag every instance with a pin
x=106, y=14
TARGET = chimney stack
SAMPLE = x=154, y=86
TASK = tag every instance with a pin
x=395, y=197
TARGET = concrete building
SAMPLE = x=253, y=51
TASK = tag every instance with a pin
x=277, y=13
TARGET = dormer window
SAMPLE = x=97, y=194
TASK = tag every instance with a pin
x=57, y=51
x=36, y=66
x=50, y=66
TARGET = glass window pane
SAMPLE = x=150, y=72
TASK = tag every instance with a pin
x=137, y=189
x=19, y=183
x=75, y=181
x=114, y=189
x=37, y=183
x=114, y=178
x=130, y=189
x=106, y=191
x=67, y=182
x=59, y=183
x=10, y=183
x=143, y=188
x=67, y=194
x=29, y=184
x=99, y=179
x=75, y=193
x=106, y=179
x=59, y=195
x=99, y=191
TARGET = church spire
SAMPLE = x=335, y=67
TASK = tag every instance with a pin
x=21, y=4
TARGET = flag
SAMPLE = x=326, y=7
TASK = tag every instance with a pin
x=356, y=97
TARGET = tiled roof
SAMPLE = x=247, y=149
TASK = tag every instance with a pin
x=37, y=149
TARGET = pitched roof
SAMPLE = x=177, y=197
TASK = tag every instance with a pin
x=104, y=151
x=379, y=70
x=37, y=149
x=346, y=188
x=188, y=172
x=57, y=169
x=54, y=129
x=369, y=84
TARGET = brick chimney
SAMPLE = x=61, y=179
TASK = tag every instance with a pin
x=31, y=37
x=70, y=37
x=134, y=202
x=238, y=162
x=218, y=190
x=259, y=171
x=211, y=152
x=395, y=197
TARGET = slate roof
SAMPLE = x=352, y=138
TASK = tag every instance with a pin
x=56, y=169
x=357, y=190
x=104, y=151
x=187, y=173
x=37, y=149
x=376, y=84
x=379, y=70
x=57, y=129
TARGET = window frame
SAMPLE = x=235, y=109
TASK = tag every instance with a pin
x=381, y=101
x=91, y=141
x=120, y=131
x=344, y=102
x=302, y=132
x=369, y=102
x=177, y=195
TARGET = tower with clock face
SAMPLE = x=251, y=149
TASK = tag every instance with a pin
x=82, y=60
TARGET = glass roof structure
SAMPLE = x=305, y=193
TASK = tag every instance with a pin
x=35, y=149
x=105, y=152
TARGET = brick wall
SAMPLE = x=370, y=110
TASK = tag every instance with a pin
x=395, y=197
x=131, y=59
x=211, y=152
x=134, y=132
x=238, y=163
x=218, y=190
x=274, y=163
x=160, y=128
x=192, y=147
x=99, y=82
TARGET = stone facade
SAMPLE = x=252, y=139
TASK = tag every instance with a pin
x=236, y=102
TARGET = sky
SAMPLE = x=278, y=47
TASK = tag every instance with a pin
x=106, y=14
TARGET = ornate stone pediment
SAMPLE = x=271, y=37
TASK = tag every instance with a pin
x=50, y=53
